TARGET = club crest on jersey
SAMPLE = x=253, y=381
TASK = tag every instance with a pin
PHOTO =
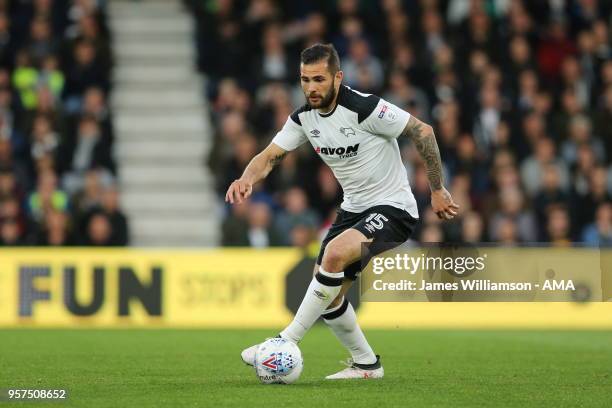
x=341, y=152
x=382, y=112
x=347, y=131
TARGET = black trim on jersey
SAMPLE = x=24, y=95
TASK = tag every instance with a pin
x=331, y=112
x=363, y=106
x=294, y=116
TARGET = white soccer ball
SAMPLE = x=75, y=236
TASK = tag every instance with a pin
x=278, y=361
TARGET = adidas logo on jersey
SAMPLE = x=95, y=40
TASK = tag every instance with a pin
x=341, y=152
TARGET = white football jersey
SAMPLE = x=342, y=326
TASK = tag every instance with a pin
x=357, y=140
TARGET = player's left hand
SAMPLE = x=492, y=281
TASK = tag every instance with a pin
x=443, y=204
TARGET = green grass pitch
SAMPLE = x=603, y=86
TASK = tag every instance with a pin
x=192, y=368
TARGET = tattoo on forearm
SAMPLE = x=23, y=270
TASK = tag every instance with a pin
x=277, y=159
x=425, y=143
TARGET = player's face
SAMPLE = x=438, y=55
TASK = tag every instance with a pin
x=318, y=84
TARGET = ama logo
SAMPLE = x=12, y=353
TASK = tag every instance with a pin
x=340, y=152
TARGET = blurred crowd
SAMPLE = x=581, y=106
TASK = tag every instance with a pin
x=519, y=93
x=57, y=173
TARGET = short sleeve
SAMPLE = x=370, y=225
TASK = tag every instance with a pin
x=386, y=120
x=290, y=137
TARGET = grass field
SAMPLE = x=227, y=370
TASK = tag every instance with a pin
x=191, y=368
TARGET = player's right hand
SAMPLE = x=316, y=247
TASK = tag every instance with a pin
x=238, y=191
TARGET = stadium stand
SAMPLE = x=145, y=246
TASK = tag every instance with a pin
x=57, y=170
x=519, y=93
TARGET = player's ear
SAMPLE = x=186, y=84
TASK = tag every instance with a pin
x=338, y=77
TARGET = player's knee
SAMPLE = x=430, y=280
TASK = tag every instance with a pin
x=333, y=258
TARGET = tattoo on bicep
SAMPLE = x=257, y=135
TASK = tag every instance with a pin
x=277, y=159
x=413, y=128
x=426, y=145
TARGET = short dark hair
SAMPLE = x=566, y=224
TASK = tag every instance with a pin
x=319, y=52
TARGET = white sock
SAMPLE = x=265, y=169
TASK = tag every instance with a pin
x=323, y=289
x=343, y=322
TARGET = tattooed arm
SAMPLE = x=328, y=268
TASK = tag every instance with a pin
x=258, y=168
x=425, y=142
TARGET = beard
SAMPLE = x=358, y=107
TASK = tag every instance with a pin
x=325, y=100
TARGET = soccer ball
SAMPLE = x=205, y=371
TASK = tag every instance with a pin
x=278, y=361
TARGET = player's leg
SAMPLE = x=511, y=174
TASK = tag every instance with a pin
x=326, y=285
x=380, y=224
x=343, y=221
x=342, y=321
x=340, y=317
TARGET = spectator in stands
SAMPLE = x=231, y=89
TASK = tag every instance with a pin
x=85, y=71
x=404, y=94
x=110, y=206
x=585, y=164
x=570, y=108
x=90, y=151
x=47, y=197
x=245, y=148
x=234, y=230
x=550, y=194
x=580, y=133
x=472, y=228
x=55, y=230
x=41, y=43
x=599, y=233
x=8, y=184
x=532, y=167
x=50, y=77
x=296, y=213
x=553, y=49
x=507, y=233
x=559, y=226
x=25, y=79
x=10, y=210
x=44, y=139
x=274, y=64
x=261, y=233
x=251, y=225
x=597, y=194
x=104, y=200
x=99, y=231
x=89, y=197
x=362, y=70
x=95, y=106
x=511, y=202
x=431, y=233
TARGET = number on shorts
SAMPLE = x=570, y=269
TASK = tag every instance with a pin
x=375, y=222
